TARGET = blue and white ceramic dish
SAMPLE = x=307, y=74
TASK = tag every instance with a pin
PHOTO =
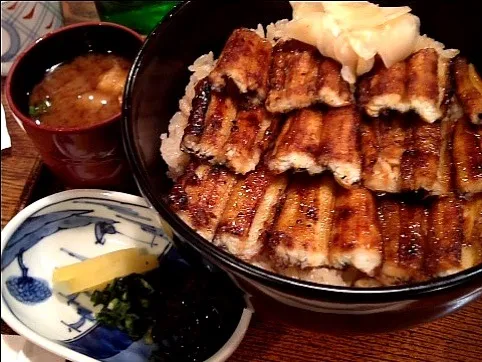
x=65, y=228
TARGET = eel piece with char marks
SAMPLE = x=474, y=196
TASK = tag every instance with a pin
x=200, y=195
x=301, y=232
x=468, y=87
x=249, y=212
x=419, y=83
x=245, y=60
x=300, y=77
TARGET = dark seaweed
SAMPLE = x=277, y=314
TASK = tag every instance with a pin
x=188, y=313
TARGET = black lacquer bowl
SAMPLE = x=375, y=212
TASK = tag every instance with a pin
x=156, y=83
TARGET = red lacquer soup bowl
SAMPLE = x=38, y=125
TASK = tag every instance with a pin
x=85, y=156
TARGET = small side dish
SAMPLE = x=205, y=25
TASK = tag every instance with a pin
x=186, y=317
x=92, y=275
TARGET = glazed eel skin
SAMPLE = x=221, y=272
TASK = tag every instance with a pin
x=419, y=83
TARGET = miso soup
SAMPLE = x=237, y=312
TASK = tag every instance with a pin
x=79, y=93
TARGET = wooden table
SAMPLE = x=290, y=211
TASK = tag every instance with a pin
x=457, y=337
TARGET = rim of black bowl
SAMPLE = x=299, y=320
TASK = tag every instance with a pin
x=29, y=120
x=242, y=268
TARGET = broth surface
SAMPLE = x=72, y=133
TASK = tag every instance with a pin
x=83, y=92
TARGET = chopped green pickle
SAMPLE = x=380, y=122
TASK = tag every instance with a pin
x=39, y=109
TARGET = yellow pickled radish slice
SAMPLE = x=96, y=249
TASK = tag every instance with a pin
x=96, y=273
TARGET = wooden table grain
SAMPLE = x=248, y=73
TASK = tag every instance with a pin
x=455, y=338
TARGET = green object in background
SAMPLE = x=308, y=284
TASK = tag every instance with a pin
x=141, y=16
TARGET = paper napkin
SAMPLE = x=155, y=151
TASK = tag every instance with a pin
x=4, y=132
x=18, y=349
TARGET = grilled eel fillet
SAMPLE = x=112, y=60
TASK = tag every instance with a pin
x=209, y=123
x=468, y=88
x=445, y=237
x=297, y=146
x=249, y=212
x=314, y=224
x=419, y=83
x=403, y=153
x=251, y=134
x=467, y=156
x=223, y=134
x=429, y=239
x=200, y=195
x=300, y=76
x=426, y=162
x=301, y=233
x=245, y=60
x=403, y=226
x=472, y=248
x=356, y=239
x=315, y=140
x=383, y=144
x=420, y=239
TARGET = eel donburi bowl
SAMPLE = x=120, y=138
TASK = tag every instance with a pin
x=156, y=83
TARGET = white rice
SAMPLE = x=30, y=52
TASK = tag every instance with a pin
x=276, y=30
x=171, y=145
x=424, y=42
x=259, y=30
